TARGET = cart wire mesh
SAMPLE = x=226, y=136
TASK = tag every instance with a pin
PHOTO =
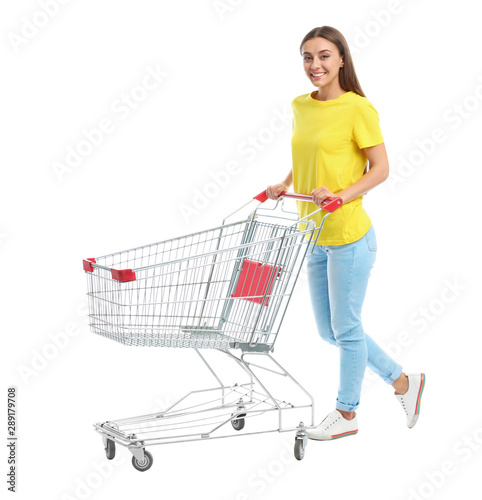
x=211, y=289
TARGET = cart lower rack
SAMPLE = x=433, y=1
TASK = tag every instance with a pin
x=225, y=289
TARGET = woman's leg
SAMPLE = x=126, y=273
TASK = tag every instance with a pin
x=318, y=286
x=382, y=364
x=338, y=278
x=378, y=360
x=348, y=271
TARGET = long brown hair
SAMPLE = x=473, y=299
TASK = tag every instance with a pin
x=347, y=75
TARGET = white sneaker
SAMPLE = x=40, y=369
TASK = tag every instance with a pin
x=410, y=401
x=334, y=426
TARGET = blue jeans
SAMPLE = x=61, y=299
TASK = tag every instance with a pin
x=338, y=278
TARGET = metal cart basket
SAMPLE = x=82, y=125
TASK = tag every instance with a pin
x=226, y=289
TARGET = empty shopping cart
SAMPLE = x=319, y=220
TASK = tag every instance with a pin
x=226, y=289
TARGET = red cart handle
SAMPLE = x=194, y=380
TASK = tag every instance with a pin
x=329, y=204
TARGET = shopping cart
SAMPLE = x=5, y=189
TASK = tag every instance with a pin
x=226, y=289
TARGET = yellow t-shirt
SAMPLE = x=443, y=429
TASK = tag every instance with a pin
x=327, y=147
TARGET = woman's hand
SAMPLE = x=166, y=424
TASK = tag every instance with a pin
x=275, y=190
x=320, y=194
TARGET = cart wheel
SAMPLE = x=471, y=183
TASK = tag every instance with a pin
x=238, y=423
x=110, y=449
x=143, y=466
x=299, y=449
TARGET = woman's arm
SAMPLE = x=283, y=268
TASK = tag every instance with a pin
x=378, y=172
x=276, y=189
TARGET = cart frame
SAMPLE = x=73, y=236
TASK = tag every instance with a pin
x=228, y=406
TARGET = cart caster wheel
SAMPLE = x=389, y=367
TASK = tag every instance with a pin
x=238, y=423
x=299, y=449
x=110, y=449
x=143, y=466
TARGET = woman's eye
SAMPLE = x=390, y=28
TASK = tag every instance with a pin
x=307, y=58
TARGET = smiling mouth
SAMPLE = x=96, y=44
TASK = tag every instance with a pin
x=318, y=75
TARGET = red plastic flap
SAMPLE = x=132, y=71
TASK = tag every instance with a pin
x=262, y=197
x=88, y=265
x=256, y=278
x=123, y=275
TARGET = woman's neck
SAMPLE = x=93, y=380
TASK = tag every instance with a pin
x=327, y=94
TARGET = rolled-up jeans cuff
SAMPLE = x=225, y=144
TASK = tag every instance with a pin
x=395, y=374
x=344, y=407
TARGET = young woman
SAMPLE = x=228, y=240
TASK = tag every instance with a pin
x=335, y=132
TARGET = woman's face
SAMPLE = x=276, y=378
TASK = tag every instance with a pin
x=321, y=62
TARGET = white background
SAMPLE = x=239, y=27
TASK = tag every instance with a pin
x=231, y=67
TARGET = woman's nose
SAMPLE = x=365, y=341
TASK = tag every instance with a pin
x=316, y=64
